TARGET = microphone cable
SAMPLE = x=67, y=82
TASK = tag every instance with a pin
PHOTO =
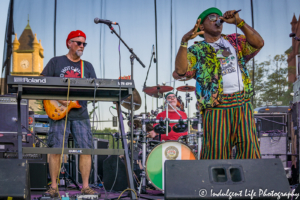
x=237, y=62
x=152, y=54
x=63, y=144
x=93, y=146
x=120, y=70
x=238, y=68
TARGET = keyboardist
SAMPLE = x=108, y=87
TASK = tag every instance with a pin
x=78, y=123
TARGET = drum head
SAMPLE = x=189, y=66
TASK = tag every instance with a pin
x=169, y=150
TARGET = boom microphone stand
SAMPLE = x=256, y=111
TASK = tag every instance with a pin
x=154, y=60
x=130, y=167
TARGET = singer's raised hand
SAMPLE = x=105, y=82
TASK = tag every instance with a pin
x=228, y=17
x=193, y=32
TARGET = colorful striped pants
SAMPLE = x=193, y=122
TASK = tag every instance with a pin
x=227, y=125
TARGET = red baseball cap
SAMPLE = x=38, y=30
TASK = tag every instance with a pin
x=74, y=34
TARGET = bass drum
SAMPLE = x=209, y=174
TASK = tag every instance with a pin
x=169, y=150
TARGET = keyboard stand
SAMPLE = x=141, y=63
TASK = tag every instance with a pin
x=121, y=124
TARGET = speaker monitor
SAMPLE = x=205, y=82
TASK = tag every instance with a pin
x=38, y=168
x=110, y=174
x=270, y=126
x=9, y=113
x=217, y=179
x=271, y=147
x=14, y=179
x=38, y=175
x=9, y=141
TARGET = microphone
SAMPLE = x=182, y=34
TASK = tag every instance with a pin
x=104, y=21
x=154, y=59
x=293, y=35
x=219, y=22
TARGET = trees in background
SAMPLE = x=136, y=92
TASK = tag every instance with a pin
x=271, y=81
x=110, y=138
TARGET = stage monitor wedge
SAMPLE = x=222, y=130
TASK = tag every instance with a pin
x=218, y=179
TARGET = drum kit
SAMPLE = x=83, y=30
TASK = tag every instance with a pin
x=155, y=152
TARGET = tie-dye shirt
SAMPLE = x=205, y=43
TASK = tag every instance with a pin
x=205, y=67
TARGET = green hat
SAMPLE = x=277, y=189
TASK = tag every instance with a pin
x=166, y=95
x=207, y=12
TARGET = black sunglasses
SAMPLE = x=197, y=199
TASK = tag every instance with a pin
x=79, y=43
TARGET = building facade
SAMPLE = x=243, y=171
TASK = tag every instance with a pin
x=28, y=54
x=294, y=50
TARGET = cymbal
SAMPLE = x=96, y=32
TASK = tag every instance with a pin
x=157, y=91
x=137, y=101
x=186, y=88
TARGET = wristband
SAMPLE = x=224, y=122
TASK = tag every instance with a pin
x=183, y=44
x=241, y=24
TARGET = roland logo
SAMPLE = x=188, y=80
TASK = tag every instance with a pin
x=34, y=80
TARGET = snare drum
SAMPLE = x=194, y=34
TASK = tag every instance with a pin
x=169, y=150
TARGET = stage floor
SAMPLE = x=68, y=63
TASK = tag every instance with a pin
x=152, y=194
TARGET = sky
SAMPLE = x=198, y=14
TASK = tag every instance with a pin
x=137, y=22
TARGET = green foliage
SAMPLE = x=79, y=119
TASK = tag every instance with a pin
x=271, y=81
x=41, y=110
x=92, y=111
x=111, y=140
x=260, y=70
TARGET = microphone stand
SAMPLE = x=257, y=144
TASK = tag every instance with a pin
x=132, y=57
x=153, y=53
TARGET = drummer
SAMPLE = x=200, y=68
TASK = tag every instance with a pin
x=172, y=114
x=150, y=132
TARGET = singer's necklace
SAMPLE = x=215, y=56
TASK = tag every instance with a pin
x=225, y=52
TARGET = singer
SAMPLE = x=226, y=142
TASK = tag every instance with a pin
x=223, y=85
